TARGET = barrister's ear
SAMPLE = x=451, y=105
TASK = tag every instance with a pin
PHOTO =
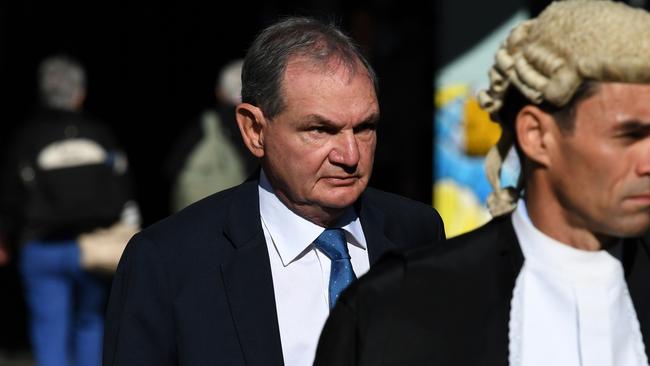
x=537, y=133
x=251, y=123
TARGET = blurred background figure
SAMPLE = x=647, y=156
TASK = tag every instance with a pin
x=211, y=156
x=67, y=204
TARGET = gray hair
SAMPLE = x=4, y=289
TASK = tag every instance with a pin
x=268, y=56
x=60, y=82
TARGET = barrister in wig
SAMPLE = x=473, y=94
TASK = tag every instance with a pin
x=560, y=276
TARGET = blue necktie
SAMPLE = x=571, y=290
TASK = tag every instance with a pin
x=332, y=243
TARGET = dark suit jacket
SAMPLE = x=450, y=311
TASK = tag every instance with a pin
x=448, y=305
x=196, y=288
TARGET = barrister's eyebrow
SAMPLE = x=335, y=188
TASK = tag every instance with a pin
x=632, y=126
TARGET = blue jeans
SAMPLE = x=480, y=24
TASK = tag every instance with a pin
x=66, y=305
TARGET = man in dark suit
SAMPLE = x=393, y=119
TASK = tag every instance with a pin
x=562, y=280
x=247, y=276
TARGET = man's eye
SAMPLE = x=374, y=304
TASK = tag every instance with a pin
x=322, y=129
x=366, y=127
x=635, y=135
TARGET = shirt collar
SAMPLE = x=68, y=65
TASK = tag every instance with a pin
x=544, y=250
x=293, y=235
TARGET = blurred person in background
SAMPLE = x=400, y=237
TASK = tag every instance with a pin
x=211, y=155
x=67, y=203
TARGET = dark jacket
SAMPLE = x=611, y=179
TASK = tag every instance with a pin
x=63, y=175
x=448, y=305
x=196, y=288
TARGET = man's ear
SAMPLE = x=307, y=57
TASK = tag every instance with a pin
x=251, y=122
x=536, y=133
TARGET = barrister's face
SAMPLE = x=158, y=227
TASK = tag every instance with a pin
x=318, y=151
x=601, y=170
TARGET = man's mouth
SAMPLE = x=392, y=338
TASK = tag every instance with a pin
x=641, y=198
x=341, y=180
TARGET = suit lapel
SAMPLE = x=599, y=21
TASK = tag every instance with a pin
x=636, y=261
x=248, y=282
x=510, y=253
x=373, y=224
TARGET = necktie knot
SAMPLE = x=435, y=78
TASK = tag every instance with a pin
x=332, y=243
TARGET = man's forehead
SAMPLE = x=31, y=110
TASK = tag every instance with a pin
x=314, y=76
x=306, y=77
x=630, y=93
x=333, y=65
x=620, y=88
x=619, y=102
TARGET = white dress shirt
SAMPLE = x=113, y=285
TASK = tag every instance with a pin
x=570, y=306
x=301, y=272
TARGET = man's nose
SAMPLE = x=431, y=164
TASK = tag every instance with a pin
x=345, y=150
x=643, y=164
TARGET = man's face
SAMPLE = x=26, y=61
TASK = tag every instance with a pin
x=601, y=170
x=318, y=152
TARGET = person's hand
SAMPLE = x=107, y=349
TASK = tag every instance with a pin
x=101, y=249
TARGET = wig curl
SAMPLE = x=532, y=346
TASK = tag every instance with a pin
x=547, y=59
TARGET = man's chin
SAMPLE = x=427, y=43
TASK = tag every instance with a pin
x=337, y=205
x=342, y=199
x=634, y=227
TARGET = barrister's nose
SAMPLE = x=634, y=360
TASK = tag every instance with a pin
x=643, y=163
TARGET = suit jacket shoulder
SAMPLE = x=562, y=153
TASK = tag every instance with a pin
x=392, y=223
x=193, y=287
x=399, y=209
x=201, y=235
x=468, y=256
x=210, y=214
